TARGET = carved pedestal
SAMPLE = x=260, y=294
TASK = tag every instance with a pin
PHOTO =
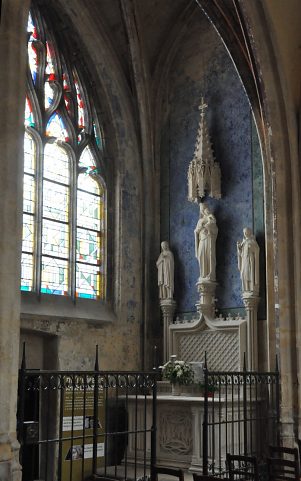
x=168, y=307
x=206, y=304
x=179, y=429
x=251, y=305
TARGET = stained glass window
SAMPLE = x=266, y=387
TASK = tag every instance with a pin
x=63, y=250
x=29, y=118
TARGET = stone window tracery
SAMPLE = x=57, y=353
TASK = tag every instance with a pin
x=64, y=202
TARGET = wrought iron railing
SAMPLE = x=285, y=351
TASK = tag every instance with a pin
x=73, y=426
x=241, y=416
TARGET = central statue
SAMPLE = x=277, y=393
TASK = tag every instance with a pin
x=205, y=235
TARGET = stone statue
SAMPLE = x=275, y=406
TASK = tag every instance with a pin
x=165, y=266
x=205, y=235
x=248, y=262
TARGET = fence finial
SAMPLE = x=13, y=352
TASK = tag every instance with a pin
x=96, y=366
x=23, y=363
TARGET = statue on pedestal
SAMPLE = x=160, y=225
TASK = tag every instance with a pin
x=205, y=235
x=165, y=266
x=248, y=262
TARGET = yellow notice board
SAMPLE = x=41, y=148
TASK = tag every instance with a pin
x=78, y=418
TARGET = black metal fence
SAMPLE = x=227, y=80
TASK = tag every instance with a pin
x=90, y=424
x=241, y=416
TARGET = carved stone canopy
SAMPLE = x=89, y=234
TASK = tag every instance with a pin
x=204, y=175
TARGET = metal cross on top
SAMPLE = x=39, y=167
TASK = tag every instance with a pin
x=202, y=106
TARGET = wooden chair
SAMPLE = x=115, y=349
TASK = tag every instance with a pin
x=283, y=464
x=204, y=477
x=178, y=473
x=242, y=467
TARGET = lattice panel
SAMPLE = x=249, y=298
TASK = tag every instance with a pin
x=222, y=348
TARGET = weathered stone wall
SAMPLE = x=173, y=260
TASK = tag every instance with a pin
x=70, y=345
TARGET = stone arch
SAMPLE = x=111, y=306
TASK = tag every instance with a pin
x=246, y=33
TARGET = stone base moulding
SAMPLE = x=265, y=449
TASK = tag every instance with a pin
x=10, y=469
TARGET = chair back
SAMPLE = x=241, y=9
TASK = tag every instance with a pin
x=242, y=467
x=283, y=464
x=177, y=473
x=204, y=477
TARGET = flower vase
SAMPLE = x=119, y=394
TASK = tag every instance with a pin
x=176, y=389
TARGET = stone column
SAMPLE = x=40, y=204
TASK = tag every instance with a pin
x=251, y=305
x=197, y=419
x=168, y=307
x=13, y=58
x=206, y=304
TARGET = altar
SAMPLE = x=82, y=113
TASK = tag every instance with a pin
x=179, y=436
x=179, y=430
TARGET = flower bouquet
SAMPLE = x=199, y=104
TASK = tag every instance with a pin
x=178, y=372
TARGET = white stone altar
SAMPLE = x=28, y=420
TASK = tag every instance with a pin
x=179, y=429
x=179, y=426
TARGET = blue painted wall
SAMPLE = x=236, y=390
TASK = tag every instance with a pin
x=202, y=66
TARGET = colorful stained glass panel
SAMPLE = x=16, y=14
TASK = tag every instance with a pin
x=28, y=233
x=67, y=89
x=87, y=246
x=33, y=59
x=66, y=83
x=56, y=128
x=49, y=70
x=30, y=24
x=53, y=167
x=28, y=194
x=49, y=94
x=88, y=211
x=54, y=276
x=28, y=118
x=87, y=160
x=87, y=184
x=26, y=272
x=80, y=104
x=55, y=201
x=56, y=164
x=55, y=239
x=87, y=281
x=98, y=135
x=29, y=154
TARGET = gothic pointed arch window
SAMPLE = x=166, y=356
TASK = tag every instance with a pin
x=64, y=202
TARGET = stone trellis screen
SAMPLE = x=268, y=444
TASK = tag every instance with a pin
x=224, y=341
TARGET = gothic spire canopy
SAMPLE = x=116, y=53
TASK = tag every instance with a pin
x=204, y=175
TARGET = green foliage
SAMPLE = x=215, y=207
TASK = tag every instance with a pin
x=179, y=372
